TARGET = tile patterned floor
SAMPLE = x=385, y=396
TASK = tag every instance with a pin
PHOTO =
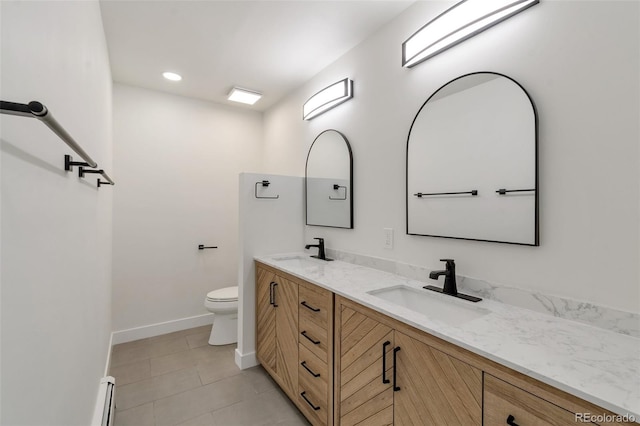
x=178, y=379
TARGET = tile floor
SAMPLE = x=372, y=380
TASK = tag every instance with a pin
x=178, y=379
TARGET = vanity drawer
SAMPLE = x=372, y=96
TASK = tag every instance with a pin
x=315, y=304
x=314, y=337
x=313, y=370
x=313, y=397
x=506, y=404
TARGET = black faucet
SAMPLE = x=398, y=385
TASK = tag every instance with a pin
x=321, y=254
x=450, y=288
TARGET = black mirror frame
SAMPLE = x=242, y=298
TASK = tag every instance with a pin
x=306, y=214
x=537, y=183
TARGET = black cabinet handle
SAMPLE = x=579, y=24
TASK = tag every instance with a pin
x=384, y=362
x=271, y=292
x=304, y=364
x=304, y=303
x=395, y=369
x=510, y=421
x=304, y=333
x=275, y=305
x=309, y=402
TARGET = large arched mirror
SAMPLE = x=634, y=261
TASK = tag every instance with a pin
x=329, y=181
x=472, y=162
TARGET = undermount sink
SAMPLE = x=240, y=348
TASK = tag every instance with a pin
x=295, y=261
x=433, y=305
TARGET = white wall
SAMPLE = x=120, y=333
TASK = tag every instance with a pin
x=177, y=161
x=579, y=62
x=267, y=226
x=56, y=228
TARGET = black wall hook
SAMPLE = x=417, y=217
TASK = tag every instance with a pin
x=69, y=163
x=264, y=183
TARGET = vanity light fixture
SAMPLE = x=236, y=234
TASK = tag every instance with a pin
x=458, y=23
x=244, y=96
x=172, y=76
x=327, y=98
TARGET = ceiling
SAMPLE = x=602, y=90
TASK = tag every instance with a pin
x=272, y=47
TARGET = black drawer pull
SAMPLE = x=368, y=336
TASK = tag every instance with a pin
x=309, y=402
x=304, y=364
x=275, y=305
x=304, y=333
x=304, y=303
x=271, y=292
x=384, y=362
x=510, y=421
x=395, y=368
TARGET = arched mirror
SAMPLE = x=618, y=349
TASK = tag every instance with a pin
x=329, y=181
x=472, y=162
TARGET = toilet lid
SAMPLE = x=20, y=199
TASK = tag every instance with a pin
x=224, y=294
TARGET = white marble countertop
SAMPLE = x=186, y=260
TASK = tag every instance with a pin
x=597, y=365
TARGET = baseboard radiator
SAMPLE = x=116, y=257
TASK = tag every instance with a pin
x=104, y=414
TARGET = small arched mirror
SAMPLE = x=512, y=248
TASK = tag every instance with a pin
x=329, y=181
x=472, y=162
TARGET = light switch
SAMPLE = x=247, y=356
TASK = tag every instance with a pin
x=388, y=238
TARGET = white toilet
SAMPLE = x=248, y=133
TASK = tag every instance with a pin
x=224, y=305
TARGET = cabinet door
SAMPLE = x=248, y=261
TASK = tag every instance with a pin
x=435, y=389
x=265, y=320
x=286, y=303
x=365, y=384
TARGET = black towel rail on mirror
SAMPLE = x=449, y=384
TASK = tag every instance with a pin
x=336, y=187
x=503, y=191
x=37, y=110
x=473, y=192
x=202, y=247
x=264, y=183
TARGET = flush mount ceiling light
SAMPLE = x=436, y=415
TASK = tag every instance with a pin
x=327, y=98
x=460, y=22
x=172, y=76
x=244, y=96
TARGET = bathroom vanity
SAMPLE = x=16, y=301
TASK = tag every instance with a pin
x=349, y=345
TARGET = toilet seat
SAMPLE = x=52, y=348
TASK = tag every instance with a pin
x=227, y=294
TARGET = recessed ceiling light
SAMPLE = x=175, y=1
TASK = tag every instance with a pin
x=243, y=96
x=172, y=76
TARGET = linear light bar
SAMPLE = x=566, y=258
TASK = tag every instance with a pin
x=327, y=98
x=244, y=96
x=456, y=24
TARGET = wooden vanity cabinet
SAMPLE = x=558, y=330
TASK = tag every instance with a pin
x=294, y=340
x=345, y=364
x=387, y=377
x=277, y=328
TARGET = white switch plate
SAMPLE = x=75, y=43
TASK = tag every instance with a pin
x=388, y=238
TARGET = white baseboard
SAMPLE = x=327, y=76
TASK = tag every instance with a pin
x=246, y=361
x=152, y=330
